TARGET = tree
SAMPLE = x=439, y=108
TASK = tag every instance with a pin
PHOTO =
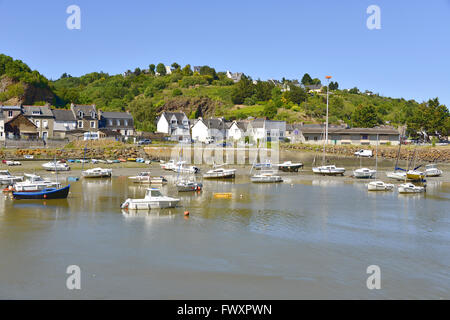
x=334, y=85
x=430, y=118
x=296, y=94
x=187, y=71
x=263, y=90
x=151, y=68
x=208, y=71
x=137, y=71
x=161, y=69
x=365, y=116
x=306, y=80
x=270, y=110
x=354, y=90
x=175, y=66
x=242, y=90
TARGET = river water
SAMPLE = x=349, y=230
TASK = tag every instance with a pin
x=305, y=238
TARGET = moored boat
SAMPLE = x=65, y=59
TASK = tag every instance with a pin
x=46, y=194
x=153, y=200
x=186, y=186
x=410, y=188
x=364, y=173
x=288, y=166
x=34, y=183
x=8, y=179
x=380, y=186
x=431, y=170
x=220, y=173
x=266, y=177
x=329, y=170
x=97, y=173
x=397, y=175
x=415, y=175
x=56, y=166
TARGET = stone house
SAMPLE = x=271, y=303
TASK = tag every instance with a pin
x=86, y=117
x=42, y=117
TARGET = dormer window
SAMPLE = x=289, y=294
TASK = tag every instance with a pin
x=80, y=114
x=10, y=114
x=93, y=114
x=36, y=112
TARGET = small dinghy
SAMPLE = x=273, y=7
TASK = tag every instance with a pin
x=46, y=194
x=153, y=200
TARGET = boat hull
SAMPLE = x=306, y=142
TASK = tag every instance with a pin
x=291, y=168
x=46, y=194
x=148, y=204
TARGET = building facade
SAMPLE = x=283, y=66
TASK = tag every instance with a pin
x=120, y=122
x=42, y=117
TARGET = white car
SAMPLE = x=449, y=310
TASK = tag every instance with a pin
x=364, y=153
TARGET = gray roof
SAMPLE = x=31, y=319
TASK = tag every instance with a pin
x=313, y=86
x=242, y=125
x=215, y=123
x=63, y=115
x=31, y=111
x=258, y=123
x=86, y=109
x=11, y=107
x=116, y=115
x=178, y=115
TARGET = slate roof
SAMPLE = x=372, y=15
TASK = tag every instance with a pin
x=44, y=111
x=116, y=115
x=178, y=115
x=63, y=115
x=86, y=109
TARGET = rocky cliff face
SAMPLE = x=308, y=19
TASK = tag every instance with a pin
x=201, y=107
x=24, y=94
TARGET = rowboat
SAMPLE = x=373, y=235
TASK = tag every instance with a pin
x=153, y=200
x=97, y=173
x=47, y=194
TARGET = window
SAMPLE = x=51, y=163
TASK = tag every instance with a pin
x=315, y=138
x=36, y=112
x=268, y=133
x=125, y=123
x=92, y=124
x=80, y=114
x=45, y=123
x=306, y=138
x=10, y=114
x=38, y=123
x=364, y=137
x=80, y=124
x=117, y=122
x=110, y=122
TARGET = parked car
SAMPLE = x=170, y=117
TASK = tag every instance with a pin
x=144, y=142
x=364, y=153
x=209, y=140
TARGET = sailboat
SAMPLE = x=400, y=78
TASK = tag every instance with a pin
x=364, y=173
x=398, y=173
x=330, y=170
x=415, y=174
x=379, y=185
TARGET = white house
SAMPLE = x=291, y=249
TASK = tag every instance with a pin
x=260, y=129
x=206, y=129
x=65, y=121
x=175, y=124
x=237, y=130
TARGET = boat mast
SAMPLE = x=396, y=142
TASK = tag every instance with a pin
x=376, y=159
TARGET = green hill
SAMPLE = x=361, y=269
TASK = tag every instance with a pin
x=210, y=93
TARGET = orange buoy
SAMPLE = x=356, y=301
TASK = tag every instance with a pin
x=45, y=196
x=186, y=213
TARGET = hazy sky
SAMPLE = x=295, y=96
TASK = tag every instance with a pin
x=408, y=57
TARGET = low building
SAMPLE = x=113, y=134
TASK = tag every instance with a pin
x=339, y=135
x=64, y=123
x=236, y=77
x=20, y=127
x=120, y=122
x=207, y=130
x=237, y=130
x=42, y=117
x=10, y=112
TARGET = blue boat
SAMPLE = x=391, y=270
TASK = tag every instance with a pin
x=46, y=194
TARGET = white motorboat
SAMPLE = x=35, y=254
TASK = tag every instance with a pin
x=288, y=166
x=170, y=165
x=13, y=163
x=187, y=185
x=364, y=173
x=431, y=170
x=180, y=168
x=410, y=188
x=56, y=166
x=397, y=175
x=146, y=178
x=97, y=173
x=220, y=173
x=33, y=183
x=153, y=200
x=266, y=177
x=380, y=186
x=8, y=179
x=330, y=170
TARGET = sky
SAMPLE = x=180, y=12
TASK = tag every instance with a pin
x=266, y=39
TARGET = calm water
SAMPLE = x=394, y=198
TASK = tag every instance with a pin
x=303, y=239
